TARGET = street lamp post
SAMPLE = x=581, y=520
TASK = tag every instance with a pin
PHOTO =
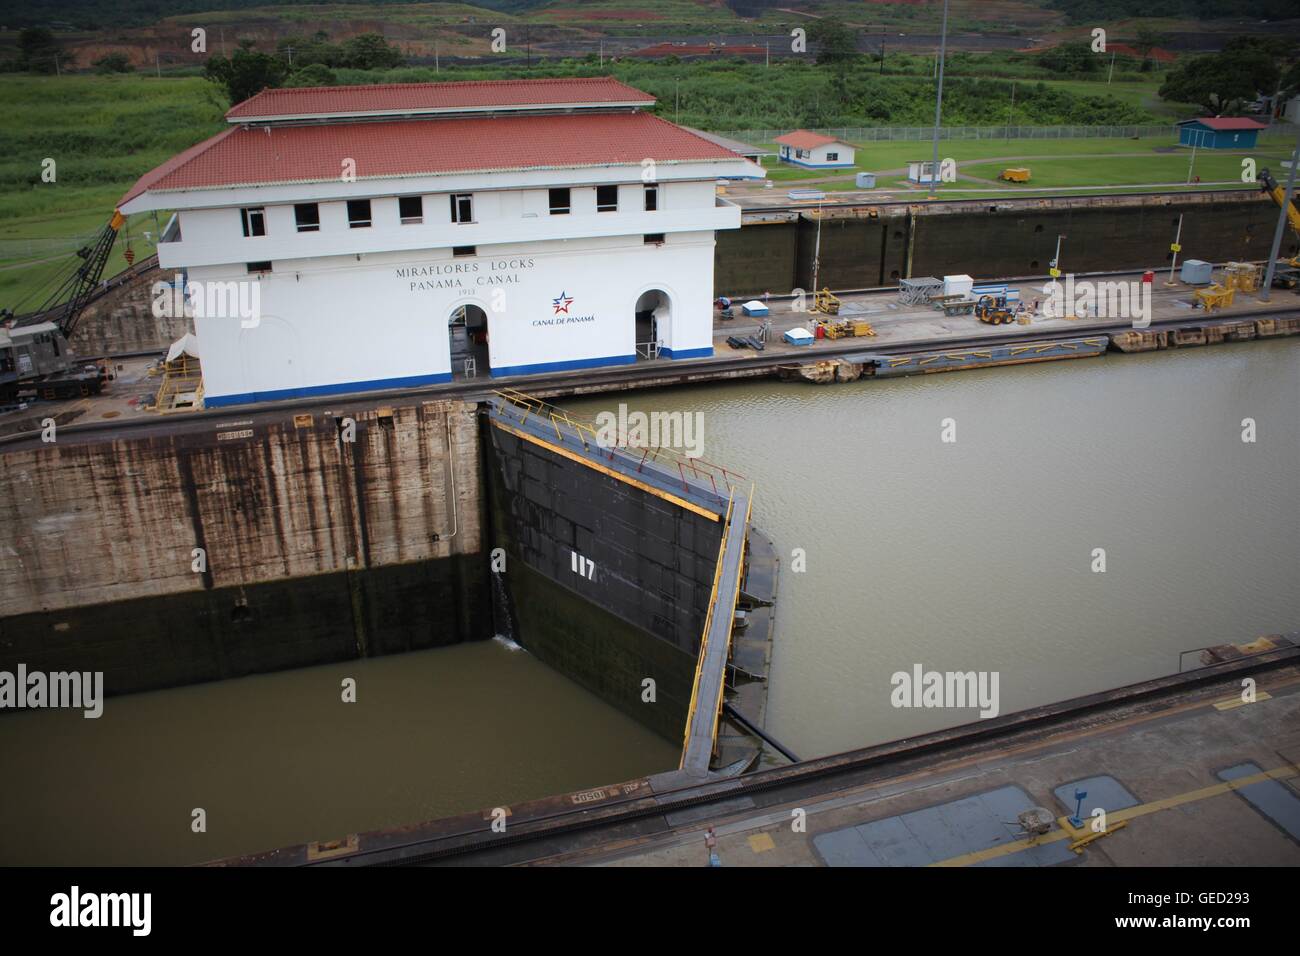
x=938, y=99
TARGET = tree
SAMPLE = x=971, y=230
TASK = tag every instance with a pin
x=317, y=74
x=113, y=63
x=1073, y=57
x=370, y=51
x=1222, y=82
x=40, y=52
x=245, y=73
x=836, y=43
x=1146, y=40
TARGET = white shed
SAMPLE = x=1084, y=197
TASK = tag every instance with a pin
x=806, y=148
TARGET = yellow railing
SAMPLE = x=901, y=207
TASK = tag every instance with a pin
x=183, y=375
x=588, y=433
x=708, y=624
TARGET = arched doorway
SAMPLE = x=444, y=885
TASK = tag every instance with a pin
x=467, y=331
x=653, y=314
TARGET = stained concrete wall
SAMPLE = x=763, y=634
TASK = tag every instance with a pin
x=121, y=320
x=316, y=548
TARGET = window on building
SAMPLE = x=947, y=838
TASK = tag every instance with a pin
x=831, y=157
x=259, y=267
x=654, y=238
x=462, y=207
x=359, y=213
x=464, y=250
x=559, y=202
x=411, y=210
x=307, y=216
x=254, y=220
x=651, y=198
x=606, y=199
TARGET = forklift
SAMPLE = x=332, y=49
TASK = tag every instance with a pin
x=994, y=310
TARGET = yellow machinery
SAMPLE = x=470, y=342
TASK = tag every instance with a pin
x=824, y=301
x=847, y=329
x=1215, y=297
x=993, y=310
x=1271, y=186
x=1015, y=174
x=1242, y=276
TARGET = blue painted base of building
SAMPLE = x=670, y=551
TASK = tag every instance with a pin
x=567, y=366
x=798, y=162
x=415, y=381
x=311, y=391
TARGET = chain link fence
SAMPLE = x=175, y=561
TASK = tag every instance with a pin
x=903, y=134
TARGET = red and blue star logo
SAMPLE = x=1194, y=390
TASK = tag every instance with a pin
x=562, y=303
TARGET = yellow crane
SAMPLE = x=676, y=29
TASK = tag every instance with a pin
x=1271, y=186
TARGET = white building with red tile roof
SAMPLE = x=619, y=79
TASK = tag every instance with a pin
x=399, y=235
x=815, y=150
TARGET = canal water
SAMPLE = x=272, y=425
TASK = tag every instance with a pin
x=973, y=555
x=977, y=554
x=278, y=759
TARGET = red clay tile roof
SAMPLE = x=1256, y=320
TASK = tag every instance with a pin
x=1228, y=122
x=284, y=154
x=803, y=139
x=433, y=97
x=1156, y=53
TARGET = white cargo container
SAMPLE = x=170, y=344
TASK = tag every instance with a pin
x=958, y=285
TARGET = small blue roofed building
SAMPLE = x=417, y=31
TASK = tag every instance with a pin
x=1219, y=132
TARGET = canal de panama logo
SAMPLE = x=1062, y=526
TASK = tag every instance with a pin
x=562, y=303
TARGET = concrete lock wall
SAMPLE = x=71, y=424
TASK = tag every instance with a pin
x=316, y=549
x=122, y=319
x=866, y=246
x=636, y=612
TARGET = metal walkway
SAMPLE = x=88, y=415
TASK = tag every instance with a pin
x=715, y=646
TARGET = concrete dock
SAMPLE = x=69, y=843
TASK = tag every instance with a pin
x=899, y=330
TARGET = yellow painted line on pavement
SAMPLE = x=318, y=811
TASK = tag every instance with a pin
x=1232, y=702
x=761, y=842
x=1168, y=803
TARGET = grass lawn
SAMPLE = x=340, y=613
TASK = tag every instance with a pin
x=1135, y=170
x=1101, y=162
x=102, y=133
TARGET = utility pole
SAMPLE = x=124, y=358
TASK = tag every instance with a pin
x=223, y=41
x=1011, y=111
x=677, y=99
x=817, y=251
x=882, y=54
x=437, y=67
x=1178, y=237
x=157, y=64
x=1265, y=290
x=602, y=53
x=1192, y=162
x=938, y=100
x=1112, y=68
x=1056, y=259
x=767, y=53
